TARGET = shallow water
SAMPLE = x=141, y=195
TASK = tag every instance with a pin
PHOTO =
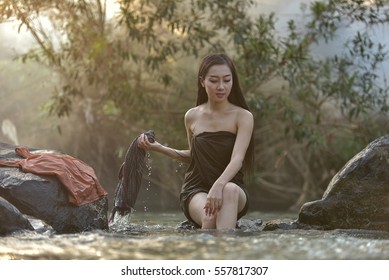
x=156, y=236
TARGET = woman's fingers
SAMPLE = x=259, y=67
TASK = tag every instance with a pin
x=212, y=206
x=143, y=142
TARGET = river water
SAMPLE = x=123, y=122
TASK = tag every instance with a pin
x=157, y=236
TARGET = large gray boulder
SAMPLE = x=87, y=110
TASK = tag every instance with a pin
x=11, y=220
x=45, y=198
x=357, y=196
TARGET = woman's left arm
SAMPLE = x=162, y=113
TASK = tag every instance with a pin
x=245, y=128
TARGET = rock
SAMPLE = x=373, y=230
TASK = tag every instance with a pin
x=11, y=220
x=45, y=198
x=280, y=224
x=358, y=195
x=249, y=224
x=187, y=225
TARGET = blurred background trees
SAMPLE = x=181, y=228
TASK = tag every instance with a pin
x=98, y=80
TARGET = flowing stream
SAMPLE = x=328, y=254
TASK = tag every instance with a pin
x=158, y=236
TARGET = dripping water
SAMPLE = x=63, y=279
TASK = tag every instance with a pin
x=148, y=183
x=179, y=166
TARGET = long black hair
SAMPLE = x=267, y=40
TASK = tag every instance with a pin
x=236, y=95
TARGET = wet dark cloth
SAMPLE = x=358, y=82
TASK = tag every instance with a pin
x=130, y=177
x=77, y=177
x=211, y=153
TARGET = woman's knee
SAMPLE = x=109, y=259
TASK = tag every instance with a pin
x=231, y=191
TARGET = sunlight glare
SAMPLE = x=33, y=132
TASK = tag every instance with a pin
x=112, y=8
x=369, y=2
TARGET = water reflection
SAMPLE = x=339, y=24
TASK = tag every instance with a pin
x=157, y=236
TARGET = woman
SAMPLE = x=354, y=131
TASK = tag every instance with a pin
x=219, y=131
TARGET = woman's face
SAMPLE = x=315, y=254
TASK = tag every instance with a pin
x=218, y=83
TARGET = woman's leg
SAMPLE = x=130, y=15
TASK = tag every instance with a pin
x=233, y=201
x=197, y=212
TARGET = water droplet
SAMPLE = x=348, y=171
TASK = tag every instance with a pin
x=149, y=169
x=179, y=166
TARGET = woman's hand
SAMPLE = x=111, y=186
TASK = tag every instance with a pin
x=214, y=200
x=145, y=144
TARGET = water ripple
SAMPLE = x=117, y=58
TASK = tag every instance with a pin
x=157, y=236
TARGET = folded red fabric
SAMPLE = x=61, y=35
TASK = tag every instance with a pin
x=77, y=177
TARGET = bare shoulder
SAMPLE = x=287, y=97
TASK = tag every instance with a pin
x=190, y=116
x=244, y=115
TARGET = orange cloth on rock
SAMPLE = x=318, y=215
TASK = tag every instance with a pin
x=78, y=178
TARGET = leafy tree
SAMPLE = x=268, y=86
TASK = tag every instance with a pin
x=306, y=122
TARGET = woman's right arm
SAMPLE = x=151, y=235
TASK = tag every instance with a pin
x=181, y=155
x=145, y=144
